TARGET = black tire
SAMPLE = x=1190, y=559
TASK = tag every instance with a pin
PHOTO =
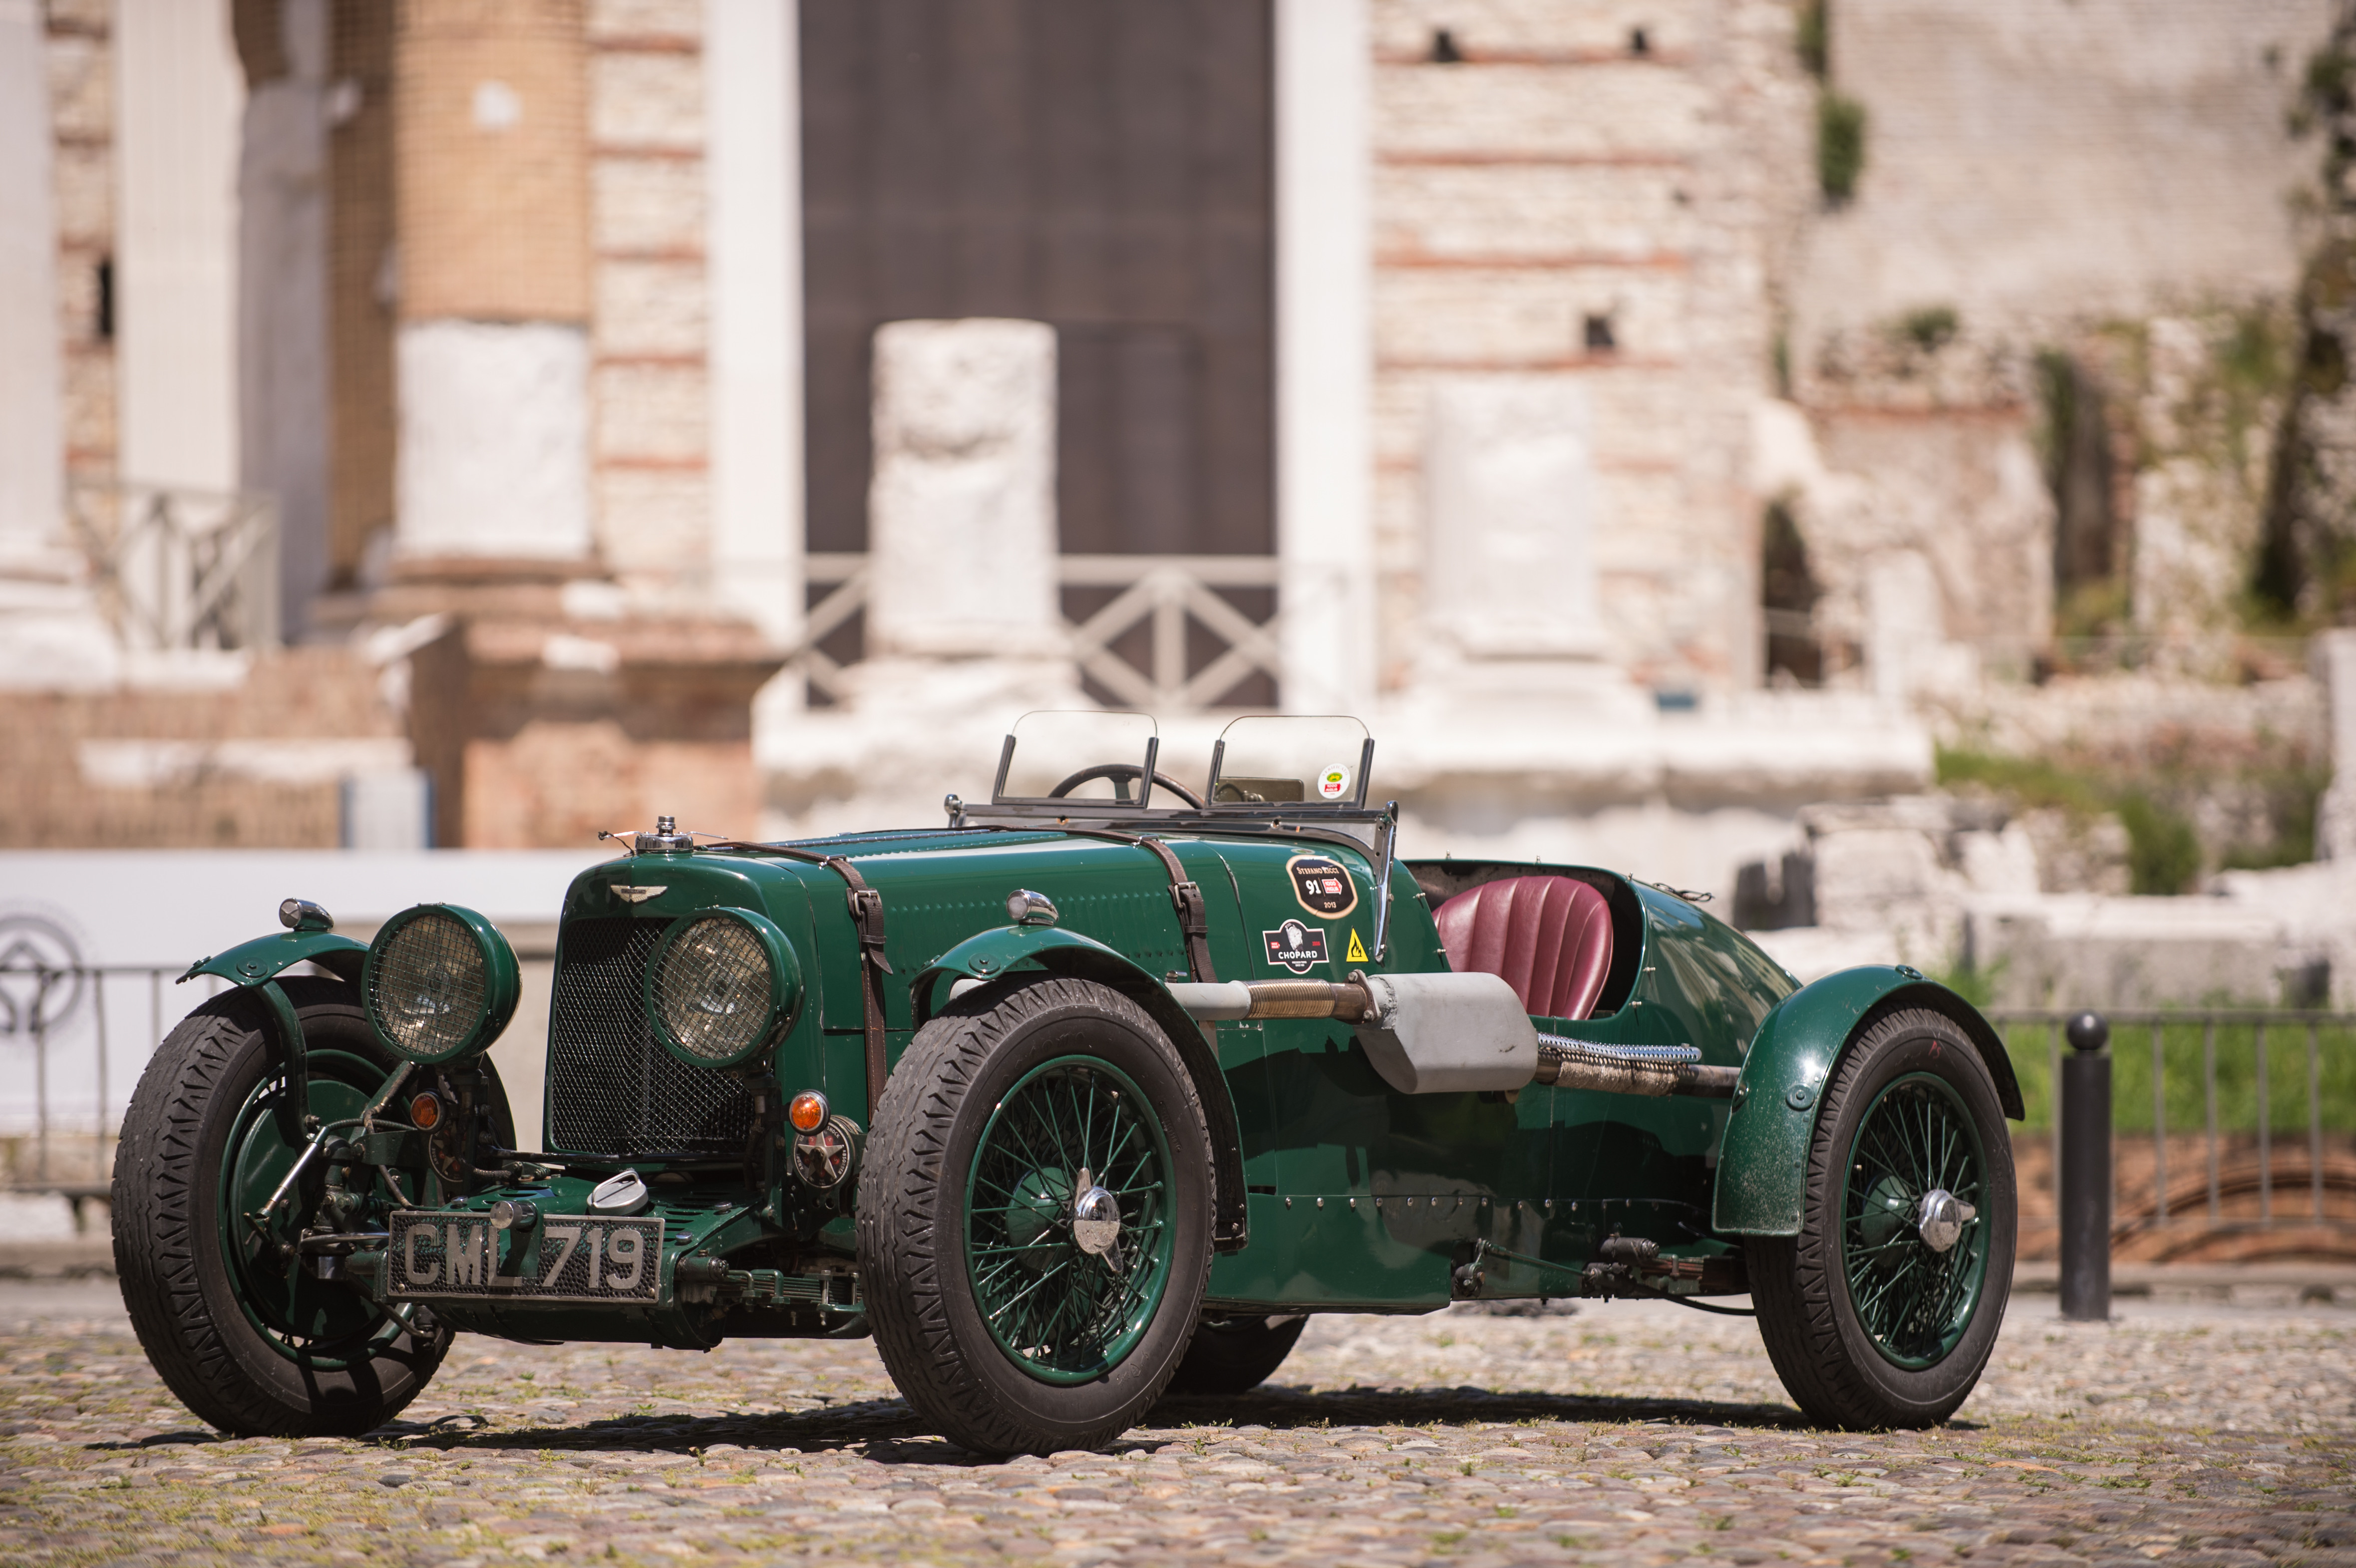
x=1831, y=1363
x=913, y=1216
x=179, y=1286
x=1236, y=1354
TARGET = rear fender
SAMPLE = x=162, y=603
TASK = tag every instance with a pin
x=1034, y=949
x=1764, y=1161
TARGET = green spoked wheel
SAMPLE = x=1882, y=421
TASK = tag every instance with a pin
x=297, y=1315
x=1914, y=1251
x=1034, y=1219
x=1065, y=1296
x=1883, y=1310
x=241, y=1331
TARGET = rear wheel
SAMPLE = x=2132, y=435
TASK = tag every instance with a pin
x=248, y=1339
x=1034, y=1218
x=1237, y=1354
x=1884, y=1309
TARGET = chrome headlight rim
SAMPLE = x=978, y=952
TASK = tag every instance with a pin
x=785, y=991
x=500, y=985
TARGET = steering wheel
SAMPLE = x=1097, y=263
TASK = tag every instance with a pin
x=1123, y=775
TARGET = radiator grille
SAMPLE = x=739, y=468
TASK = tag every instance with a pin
x=612, y=1088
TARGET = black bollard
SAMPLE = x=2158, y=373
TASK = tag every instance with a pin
x=2085, y=1174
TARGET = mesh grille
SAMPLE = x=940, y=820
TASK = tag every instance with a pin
x=713, y=989
x=426, y=988
x=612, y=1088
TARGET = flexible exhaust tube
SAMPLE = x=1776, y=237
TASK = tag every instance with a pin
x=1652, y=1069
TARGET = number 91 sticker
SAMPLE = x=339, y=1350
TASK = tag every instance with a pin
x=1322, y=884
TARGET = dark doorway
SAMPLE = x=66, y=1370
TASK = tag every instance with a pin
x=2079, y=470
x=1104, y=168
x=1787, y=597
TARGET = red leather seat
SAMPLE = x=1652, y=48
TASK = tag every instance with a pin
x=1548, y=937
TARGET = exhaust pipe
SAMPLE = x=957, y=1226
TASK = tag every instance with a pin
x=1653, y=1070
x=1649, y=1070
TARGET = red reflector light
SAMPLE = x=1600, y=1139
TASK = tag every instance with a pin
x=808, y=1111
x=425, y=1111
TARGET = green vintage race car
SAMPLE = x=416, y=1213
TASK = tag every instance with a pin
x=1096, y=1092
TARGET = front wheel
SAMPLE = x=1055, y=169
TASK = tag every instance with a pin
x=1035, y=1217
x=1884, y=1309
x=250, y=1340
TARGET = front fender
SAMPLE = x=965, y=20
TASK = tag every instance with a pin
x=992, y=955
x=1763, y=1160
x=1045, y=949
x=252, y=963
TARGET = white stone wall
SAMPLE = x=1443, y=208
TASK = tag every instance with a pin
x=1559, y=175
x=2029, y=161
x=522, y=494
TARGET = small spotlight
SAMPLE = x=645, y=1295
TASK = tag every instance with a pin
x=807, y=1112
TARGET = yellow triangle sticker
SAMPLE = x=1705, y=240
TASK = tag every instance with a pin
x=1357, y=953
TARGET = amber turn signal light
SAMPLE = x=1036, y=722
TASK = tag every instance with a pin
x=425, y=1111
x=808, y=1111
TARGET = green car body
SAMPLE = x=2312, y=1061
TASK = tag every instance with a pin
x=1336, y=1192
x=1329, y=1188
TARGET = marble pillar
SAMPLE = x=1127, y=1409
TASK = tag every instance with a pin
x=50, y=635
x=283, y=388
x=179, y=103
x=1510, y=520
x=961, y=510
x=1325, y=355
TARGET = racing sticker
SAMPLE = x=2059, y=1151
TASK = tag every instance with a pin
x=1295, y=946
x=1334, y=783
x=1323, y=885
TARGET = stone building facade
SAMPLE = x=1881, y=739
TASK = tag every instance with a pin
x=1491, y=367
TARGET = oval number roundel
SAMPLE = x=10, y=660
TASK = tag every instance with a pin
x=1323, y=885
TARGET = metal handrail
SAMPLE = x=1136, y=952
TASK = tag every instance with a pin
x=2166, y=1210
x=37, y=1022
x=1161, y=591
x=177, y=568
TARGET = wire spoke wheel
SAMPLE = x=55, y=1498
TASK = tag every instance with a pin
x=1884, y=1307
x=1062, y=1312
x=1914, y=1298
x=1034, y=1216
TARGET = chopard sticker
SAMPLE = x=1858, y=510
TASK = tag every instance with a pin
x=1334, y=783
x=1323, y=885
x=1295, y=946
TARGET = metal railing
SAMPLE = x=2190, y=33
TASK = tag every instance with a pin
x=178, y=570
x=40, y=1002
x=1161, y=592
x=2235, y=1133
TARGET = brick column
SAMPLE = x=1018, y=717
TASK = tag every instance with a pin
x=490, y=153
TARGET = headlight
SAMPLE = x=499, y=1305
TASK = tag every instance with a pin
x=721, y=987
x=440, y=983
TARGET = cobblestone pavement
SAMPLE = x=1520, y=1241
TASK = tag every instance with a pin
x=1626, y=1432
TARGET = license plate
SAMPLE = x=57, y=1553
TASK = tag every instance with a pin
x=564, y=1257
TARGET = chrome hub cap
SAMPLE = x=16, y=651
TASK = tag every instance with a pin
x=1942, y=1219
x=1096, y=1221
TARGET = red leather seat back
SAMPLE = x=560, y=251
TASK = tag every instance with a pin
x=1548, y=937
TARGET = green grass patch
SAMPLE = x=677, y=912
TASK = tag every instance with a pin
x=2184, y=1072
